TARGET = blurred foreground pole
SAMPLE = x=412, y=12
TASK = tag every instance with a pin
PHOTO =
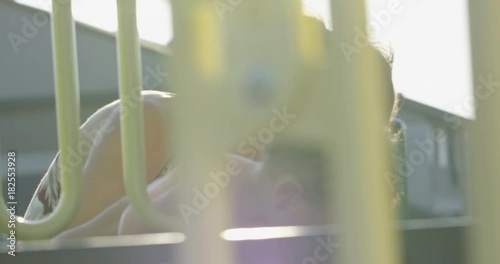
x=364, y=209
x=197, y=68
x=485, y=131
x=234, y=63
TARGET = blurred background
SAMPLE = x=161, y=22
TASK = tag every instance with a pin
x=431, y=69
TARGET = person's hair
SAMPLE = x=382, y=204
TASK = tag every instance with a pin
x=384, y=58
x=308, y=164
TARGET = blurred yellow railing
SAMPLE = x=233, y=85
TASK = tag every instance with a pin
x=132, y=123
x=361, y=159
x=68, y=122
x=228, y=82
x=484, y=132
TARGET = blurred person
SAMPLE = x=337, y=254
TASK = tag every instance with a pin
x=283, y=189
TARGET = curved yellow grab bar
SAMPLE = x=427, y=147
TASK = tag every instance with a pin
x=68, y=122
x=132, y=123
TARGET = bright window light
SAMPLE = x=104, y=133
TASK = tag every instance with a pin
x=424, y=42
x=154, y=16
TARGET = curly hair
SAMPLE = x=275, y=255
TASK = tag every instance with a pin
x=308, y=163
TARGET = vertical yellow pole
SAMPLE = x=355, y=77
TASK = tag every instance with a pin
x=132, y=123
x=361, y=152
x=68, y=122
x=196, y=72
x=484, y=143
x=68, y=107
x=263, y=53
x=231, y=67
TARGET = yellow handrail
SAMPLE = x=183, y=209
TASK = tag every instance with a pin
x=361, y=157
x=229, y=71
x=132, y=123
x=68, y=122
x=197, y=67
x=484, y=142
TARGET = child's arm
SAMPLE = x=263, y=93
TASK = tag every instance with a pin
x=102, y=173
x=107, y=222
x=104, y=224
x=164, y=195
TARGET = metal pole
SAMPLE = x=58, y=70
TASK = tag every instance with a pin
x=364, y=210
x=484, y=142
x=132, y=123
x=68, y=122
x=197, y=70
